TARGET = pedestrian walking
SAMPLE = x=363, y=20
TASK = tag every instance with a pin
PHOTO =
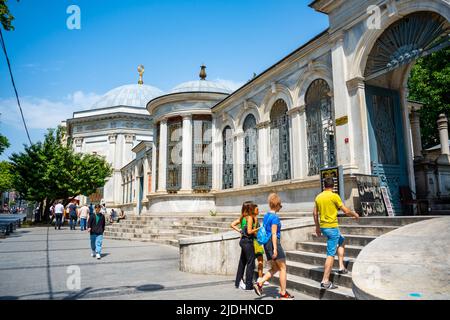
x=271, y=232
x=96, y=227
x=59, y=212
x=327, y=204
x=83, y=215
x=247, y=229
x=52, y=213
x=73, y=215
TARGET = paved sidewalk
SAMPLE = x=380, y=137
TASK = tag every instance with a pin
x=34, y=264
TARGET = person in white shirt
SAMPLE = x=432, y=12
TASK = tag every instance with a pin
x=59, y=211
x=83, y=214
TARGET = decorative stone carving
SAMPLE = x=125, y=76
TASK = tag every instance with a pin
x=112, y=138
x=129, y=138
x=78, y=142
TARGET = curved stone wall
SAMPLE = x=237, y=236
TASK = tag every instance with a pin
x=410, y=263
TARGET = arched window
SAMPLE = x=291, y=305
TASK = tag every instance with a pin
x=320, y=127
x=201, y=146
x=279, y=141
x=250, y=151
x=227, y=162
x=174, y=154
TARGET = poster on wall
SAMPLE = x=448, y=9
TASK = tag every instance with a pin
x=370, y=196
x=337, y=174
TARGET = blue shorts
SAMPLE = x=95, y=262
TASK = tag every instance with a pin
x=334, y=240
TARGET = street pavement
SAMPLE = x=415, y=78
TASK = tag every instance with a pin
x=44, y=263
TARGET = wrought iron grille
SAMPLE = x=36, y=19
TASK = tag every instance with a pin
x=279, y=136
x=156, y=140
x=250, y=151
x=384, y=128
x=174, y=146
x=320, y=127
x=415, y=35
x=202, y=164
x=227, y=159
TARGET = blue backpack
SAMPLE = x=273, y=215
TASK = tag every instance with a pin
x=263, y=236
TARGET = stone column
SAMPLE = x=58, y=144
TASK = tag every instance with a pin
x=162, y=174
x=297, y=149
x=127, y=154
x=414, y=119
x=442, y=122
x=154, y=160
x=348, y=98
x=263, y=152
x=443, y=133
x=186, y=155
x=216, y=153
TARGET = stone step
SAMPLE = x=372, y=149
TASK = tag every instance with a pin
x=193, y=233
x=356, y=240
x=317, y=259
x=312, y=288
x=317, y=247
x=440, y=212
x=381, y=221
x=121, y=235
x=203, y=228
x=369, y=230
x=316, y=273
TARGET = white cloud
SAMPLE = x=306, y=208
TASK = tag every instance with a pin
x=233, y=85
x=42, y=113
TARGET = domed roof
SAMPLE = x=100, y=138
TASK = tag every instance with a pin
x=202, y=85
x=131, y=95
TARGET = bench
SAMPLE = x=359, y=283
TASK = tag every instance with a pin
x=10, y=222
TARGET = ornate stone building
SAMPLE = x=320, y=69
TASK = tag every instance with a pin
x=112, y=128
x=340, y=99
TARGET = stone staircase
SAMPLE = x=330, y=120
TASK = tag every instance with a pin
x=168, y=229
x=305, y=265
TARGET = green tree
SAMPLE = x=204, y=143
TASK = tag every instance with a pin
x=429, y=83
x=47, y=171
x=4, y=143
x=6, y=176
x=6, y=17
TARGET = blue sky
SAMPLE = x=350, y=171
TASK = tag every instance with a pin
x=58, y=71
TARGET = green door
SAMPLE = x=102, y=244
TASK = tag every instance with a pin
x=387, y=146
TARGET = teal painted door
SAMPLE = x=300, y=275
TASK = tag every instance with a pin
x=387, y=147
x=141, y=193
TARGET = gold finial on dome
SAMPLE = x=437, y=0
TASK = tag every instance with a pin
x=202, y=72
x=141, y=72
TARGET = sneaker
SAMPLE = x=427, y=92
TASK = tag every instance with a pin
x=286, y=296
x=242, y=285
x=258, y=288
x=327, y=286
x=98, y=256
x=343, y=271
x=92, y=254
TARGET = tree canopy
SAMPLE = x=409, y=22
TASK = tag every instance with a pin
x=49, y=171
x=5, y=176
x=6, y=17
x=429, y=83
x=4, y=143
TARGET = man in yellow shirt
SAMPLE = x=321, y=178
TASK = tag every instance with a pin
x=327, y=204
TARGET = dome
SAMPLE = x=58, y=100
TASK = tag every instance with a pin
x=202, y=86
x=131, y=95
